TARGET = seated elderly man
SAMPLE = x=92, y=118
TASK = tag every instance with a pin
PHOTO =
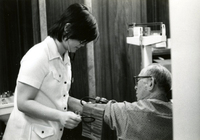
x=150, y=118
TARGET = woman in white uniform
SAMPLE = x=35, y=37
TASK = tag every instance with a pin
x=42, y=101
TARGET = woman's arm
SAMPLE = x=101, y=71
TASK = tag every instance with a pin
x=27, y=104
x=75, y=105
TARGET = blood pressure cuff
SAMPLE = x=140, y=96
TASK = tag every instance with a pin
x=93, y=121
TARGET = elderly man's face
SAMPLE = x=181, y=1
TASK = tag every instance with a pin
x=141, y=87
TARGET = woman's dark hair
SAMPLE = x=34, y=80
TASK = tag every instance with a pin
x=82, y=25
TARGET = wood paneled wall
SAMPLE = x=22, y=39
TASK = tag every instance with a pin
x=116, y=62
x=158, y=11
x=16, y=37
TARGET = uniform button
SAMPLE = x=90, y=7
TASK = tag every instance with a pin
x=65, y=82
x=59, y=75
x=65, y=108
x=42, y=131
x=64, y=95
x=60, y=129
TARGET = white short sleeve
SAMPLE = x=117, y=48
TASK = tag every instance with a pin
x=34, y=66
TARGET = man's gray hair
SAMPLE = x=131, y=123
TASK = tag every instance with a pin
x=161, y=74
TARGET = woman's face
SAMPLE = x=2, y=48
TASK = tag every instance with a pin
x=72, y=45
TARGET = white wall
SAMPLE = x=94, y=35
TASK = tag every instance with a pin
x=185, y=52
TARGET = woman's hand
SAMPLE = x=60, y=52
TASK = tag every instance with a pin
x=27, y=104
x=69, y=119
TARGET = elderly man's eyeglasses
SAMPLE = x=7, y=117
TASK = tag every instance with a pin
x=138, y=78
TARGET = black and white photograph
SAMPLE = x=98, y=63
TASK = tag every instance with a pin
x=99, y=70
